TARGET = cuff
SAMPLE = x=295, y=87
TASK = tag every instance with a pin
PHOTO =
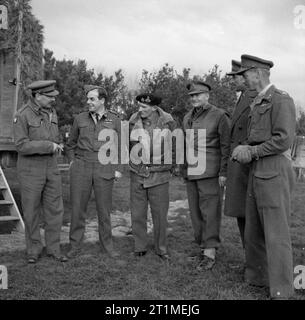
x=254, y=152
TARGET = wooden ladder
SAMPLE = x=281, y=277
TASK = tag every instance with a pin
x=9, y=201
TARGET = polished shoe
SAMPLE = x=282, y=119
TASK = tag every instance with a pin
x=206, y=263
x=32, y=259
x=140, y=253
x=194, y=256
x=58, y=257
x=165, y=257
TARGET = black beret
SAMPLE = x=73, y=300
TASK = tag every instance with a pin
x=149, y=99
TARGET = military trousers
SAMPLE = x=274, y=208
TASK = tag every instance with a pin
x=85, y=176
x=41, y=198
x=267, y=236
x=204, y=197
x=158, y=198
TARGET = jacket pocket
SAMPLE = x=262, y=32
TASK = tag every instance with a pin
x=35, y=130
x=266, y=175
x=84, y=129
x=261, y=117
x=267, y=186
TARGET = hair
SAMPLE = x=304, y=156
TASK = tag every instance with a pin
x=102, y=94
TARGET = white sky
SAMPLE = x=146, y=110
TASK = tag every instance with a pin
x=144, y=34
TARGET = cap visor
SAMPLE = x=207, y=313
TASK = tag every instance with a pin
x=243, y=70
x=231, y=73
x=197, y=92
x=51, y=94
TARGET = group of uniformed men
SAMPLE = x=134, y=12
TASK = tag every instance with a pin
x=248, y=154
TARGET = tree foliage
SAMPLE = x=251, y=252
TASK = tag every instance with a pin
x=300, y=128
x=72, y=76
x=31, y=40
x=171, y=86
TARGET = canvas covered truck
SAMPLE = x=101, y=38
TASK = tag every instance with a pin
x=21, y=62
x=8, y=106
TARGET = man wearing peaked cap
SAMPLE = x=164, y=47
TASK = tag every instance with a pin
x=237, y=178
x=236, y=66
x=197, y=87
x=87, y=172
x=205, y=181
x=271, y=132
x=249, y=62
x=37, y=141
x=150, y=173
x=46, y=87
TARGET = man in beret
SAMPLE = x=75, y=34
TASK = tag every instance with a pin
x=237, y=175
x=87, y=172
x=270, y=135
x=204, y=187
x=37, y=141
x=150, y=173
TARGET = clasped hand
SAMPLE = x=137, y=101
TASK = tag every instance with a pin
x=242, y=154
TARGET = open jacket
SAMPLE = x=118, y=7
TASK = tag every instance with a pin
x=154, y=167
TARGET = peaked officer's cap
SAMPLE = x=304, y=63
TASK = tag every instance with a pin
x=45, y=87
x=250, y=62
x=197, y=87
x=236, y=66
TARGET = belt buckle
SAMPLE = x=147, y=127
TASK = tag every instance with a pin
x=146, y=171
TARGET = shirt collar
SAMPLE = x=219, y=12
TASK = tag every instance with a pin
x=100, y=114
x=263, y=92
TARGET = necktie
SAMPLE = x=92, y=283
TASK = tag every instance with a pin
x=97, y=117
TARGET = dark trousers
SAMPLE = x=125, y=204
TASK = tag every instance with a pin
x=84, y=177
x=158, y=198
x=204, y=197
x=41, y=197
x=267, y=235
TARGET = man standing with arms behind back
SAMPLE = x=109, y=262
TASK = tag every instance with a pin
x=271, y=132
x=238, y=174
x=37, y=143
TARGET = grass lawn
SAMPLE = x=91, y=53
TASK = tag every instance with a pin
x=95, y=276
